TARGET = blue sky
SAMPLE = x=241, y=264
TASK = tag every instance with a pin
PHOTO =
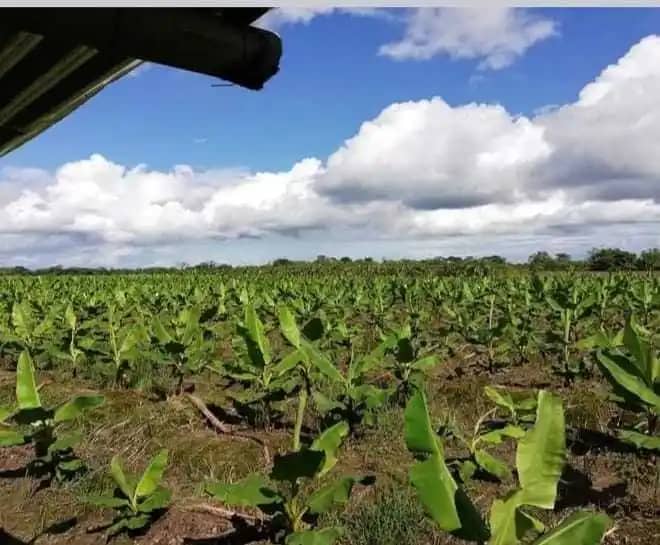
x=332, y=80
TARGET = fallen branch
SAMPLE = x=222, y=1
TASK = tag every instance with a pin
x=226, y=429
x=225, y=513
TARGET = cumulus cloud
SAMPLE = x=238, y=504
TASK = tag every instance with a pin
x=496, y=36
x=419, y=171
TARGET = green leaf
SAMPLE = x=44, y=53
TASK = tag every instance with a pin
x=252, y=491
x=637, y=347
x=425, y=364
x=76, y=406
x=160, y=332
x=419, y=434
x=5, y=413
x=581, y=528
x=65, y=442
x=500, y=397
x=323, y=364
x=289, y=327
x=492, y=465
x=466, y=470
x=120, y=478
x=159, y=499
x=639, y=440
x=71, y=466
x=152, y=475
x=27, y=395
x=495, y=437
x=137, y=522
x=70, y=316
x=620, y=374
x=329, y=442
x=295, y=465
x=503, y=517
x=326, y=536
x=10, y=438
x=541, y=454
x=255, y=329
x=105, y=501
x=444, y=501
x=21, y=318
x=287, y=363
x=331, y=495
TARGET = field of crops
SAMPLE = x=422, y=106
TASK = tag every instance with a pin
x=354, y=404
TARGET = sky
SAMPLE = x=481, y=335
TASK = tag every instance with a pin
x=387, y=133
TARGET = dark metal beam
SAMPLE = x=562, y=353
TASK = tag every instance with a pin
x=191, y=39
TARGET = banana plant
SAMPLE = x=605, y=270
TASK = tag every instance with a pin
x=409, y=367
x=632, y=367
x=571, y=303
x=136, y=499
x=185, y=343
x=519, y=406
x=356, y=398
x=540, y=458
x=31, y=422
x=267, y=381
x=293, y=494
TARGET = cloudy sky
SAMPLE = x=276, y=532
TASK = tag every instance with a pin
x=388, y=133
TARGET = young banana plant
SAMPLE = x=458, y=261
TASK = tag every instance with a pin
x=540, y=459
x=41, y=426
x=632, y=367
x=136, y=499
x=291, y=496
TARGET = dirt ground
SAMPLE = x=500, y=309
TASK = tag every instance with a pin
x=601, y=473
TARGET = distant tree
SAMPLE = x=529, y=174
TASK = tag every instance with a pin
x=611, y=259
x=282, y=261
x=649, y=260
x=494, y=260
x=322, y=258
x=541, y=261
x=345, y=259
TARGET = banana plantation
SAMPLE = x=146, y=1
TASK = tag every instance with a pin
x=352, y=404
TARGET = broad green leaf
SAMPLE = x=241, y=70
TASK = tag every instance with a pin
x=137, y=522
x=65, y=442
x=503, y=518
x=323, y=364
x=492, y=465
x=70, y=316
x=160, y=332
x=105, y=501
x=640, y=350
x=495, y=437
x=419, y=434
x=500, y=397
x=120, y=478
x=616, y=372
x=425, y=364
x=21, y=318
x=289, y=327
x=10, y=438
x=71, y=466
x=325, y=536
x=152, y=475
x=255, y=329
x=287, y=363
x=446, y=504
x=466, y=470
x=76, y=406
x=5, y=413
x=329, y=442
x=27, y=395
x=252, y=491
x=295, y=465
x=581, y=528
x=640, y=440
x=331, y=495
x=159, y=499
x=541, y=454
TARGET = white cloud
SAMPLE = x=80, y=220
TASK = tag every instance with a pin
x=496, y=36
x=417, y=174
x=279, y=17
